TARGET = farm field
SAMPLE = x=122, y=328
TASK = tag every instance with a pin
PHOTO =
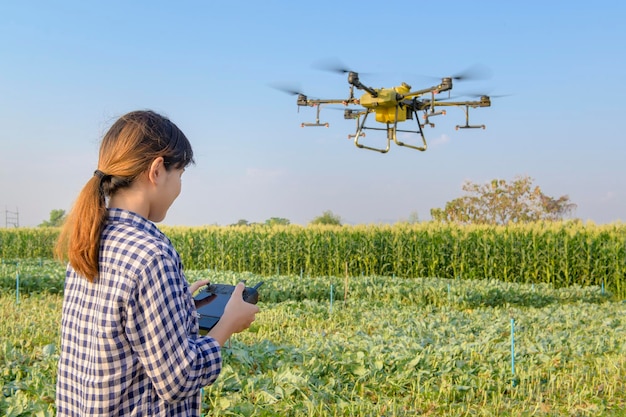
x=366, y=346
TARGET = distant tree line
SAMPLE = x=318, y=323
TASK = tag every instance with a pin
x=497, y=202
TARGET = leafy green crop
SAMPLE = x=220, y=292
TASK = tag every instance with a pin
x=381, y=346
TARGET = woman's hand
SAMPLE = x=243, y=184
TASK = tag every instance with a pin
x=196, y=285
x=238, y=316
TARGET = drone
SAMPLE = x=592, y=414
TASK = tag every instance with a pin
x=393, y=106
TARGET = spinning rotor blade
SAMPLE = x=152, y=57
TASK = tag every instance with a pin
x=336, y=66
x=475, y=72
x=475, y=94
x=332, y=65
x=287, y=88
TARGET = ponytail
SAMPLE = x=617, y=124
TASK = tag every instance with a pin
x=79, y=241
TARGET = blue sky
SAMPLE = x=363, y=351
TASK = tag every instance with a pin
x=69, y=68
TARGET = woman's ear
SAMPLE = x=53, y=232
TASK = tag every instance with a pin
x=156, y=170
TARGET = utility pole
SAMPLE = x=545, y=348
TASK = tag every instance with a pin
x=11, y=218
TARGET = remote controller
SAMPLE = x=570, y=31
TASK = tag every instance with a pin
x=210, y=302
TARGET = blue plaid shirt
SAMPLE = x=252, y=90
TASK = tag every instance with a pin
x=129, y=341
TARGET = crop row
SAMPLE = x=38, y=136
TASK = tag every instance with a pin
x=560, y=254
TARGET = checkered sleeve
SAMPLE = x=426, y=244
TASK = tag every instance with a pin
x=162, y=328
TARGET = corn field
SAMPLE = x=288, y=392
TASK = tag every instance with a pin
x=560, y=254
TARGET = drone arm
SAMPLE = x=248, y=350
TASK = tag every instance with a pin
x=446, y=85
x=484, y=101
x=353, y=80
x=417, y=93
x=370, y=90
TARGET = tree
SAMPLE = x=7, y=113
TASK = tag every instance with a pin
x=277, y=220
x=500, y=202
x=413, y=218
x=327, y=218
x=241, y=222
x=57, y=217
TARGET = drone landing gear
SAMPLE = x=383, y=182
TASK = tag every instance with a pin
x=392, y=134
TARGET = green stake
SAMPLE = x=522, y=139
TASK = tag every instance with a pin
x=513, y=349
x=17, y=287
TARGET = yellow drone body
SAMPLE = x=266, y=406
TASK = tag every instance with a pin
x=385, y=103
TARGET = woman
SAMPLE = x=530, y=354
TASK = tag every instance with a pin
x=129, y=330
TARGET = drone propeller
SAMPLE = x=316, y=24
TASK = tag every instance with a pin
x=475, y=72
x=335, y=65
x=332, y=65
x=481, y=94
x=287, y=88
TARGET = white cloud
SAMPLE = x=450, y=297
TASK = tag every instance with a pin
x=442, y=139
